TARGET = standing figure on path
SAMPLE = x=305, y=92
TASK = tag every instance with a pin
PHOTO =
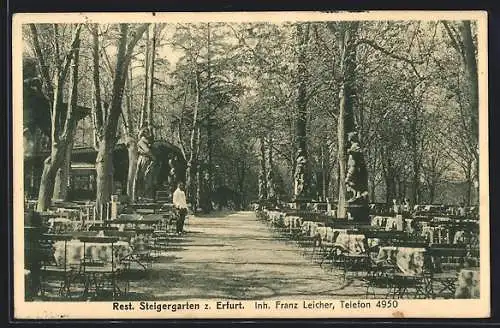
x=180, y=207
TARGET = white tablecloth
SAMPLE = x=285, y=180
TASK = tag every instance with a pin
x=352, y=243
x=93, y=251
x=410, y=260
x=60, y=225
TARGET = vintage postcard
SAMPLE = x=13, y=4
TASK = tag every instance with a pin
x=251, y=165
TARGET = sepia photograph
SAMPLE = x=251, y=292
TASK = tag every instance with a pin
x=264, y=165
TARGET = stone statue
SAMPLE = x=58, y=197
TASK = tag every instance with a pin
x=300, y=174
x=146, y=165
x=262, y=186
x=172, y=176
x=357, y=175
x=271, y=192
x=356, y=180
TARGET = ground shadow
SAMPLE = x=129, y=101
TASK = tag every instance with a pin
x=214, y=215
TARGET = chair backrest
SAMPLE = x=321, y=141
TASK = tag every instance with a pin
x=98, y=239
x=144, y=230
x=102, y=228
x=410, y=243
x=56, y=237
x=129, y=217
x=78, y=234
x=341, y=224
x=447, y=256
x=447, y=250
x=122, y=235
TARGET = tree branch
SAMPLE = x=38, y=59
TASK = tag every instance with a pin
x=243, y=42
x=98, y=114
x=454, y=39
x=388, y=52
x=179, y=127
x=70, y=122
x=41, y=60
x=69, y=56
x=137, y=34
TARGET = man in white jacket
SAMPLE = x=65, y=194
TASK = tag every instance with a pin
x=180, y=206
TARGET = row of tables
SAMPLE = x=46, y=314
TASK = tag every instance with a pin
x=100, y=248
x=409, y=260
x=108, y=247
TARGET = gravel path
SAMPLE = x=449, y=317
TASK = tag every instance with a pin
x=235, y=256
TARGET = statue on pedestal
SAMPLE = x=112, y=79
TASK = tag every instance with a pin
x=173, y=178
x=356, y=180
x=262, y=187
x=300, y=175
x=146, y=166
x=271, y=190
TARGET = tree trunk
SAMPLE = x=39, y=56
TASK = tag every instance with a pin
x=389, y=177
x=341, y=205
x=210, y=141
x=432, y=192
x=270, y=174
x=302, y=162
x=151, y=76
x=104, y=170
x=389, y=189
x=324, y=179
x=104, y=161
x=210, y=182
x=47, y=181
x=402, y=188
x=131, y=141
x=469, y=184
x=472, y=75
x=472, y=78
x=198, y=190
x=263, y=171
x=63, y=175
x=193, y=144
x=372, y=188
x=416, y=186
x=241, y=183
x=197, y=168
x=97, y=112
x=345, y=124
x=132, y=167
x=145, y=99
x=60, y=140
x=190, y=181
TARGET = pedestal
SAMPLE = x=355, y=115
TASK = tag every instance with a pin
x=299, y=203
x=359, y=212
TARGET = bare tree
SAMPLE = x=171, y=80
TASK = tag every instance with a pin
x=346, y=41
x=107, y=142
x=61, y=132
